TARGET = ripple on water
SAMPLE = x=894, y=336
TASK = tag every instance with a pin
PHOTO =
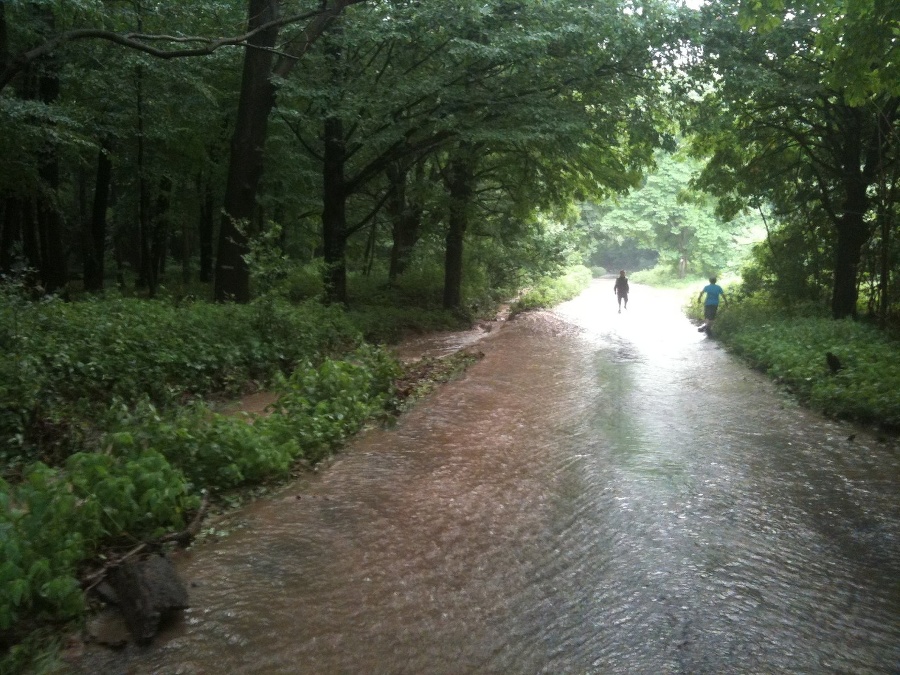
x=601, y=493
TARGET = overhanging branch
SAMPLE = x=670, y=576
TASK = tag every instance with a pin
x=204, y=46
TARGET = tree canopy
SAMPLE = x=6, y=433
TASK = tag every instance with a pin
x=378, y=134
x=801, y=123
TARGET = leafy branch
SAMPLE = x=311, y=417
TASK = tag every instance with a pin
x=143, y=42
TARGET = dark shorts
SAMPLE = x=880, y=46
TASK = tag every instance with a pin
x=709, y=311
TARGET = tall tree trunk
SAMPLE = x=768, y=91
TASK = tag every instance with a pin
x=406, y=220
x=245, y=167
x=4, y=38
x=852, y=230
x=10, y=233
x=31, y=242
x=460, y=186
x=334, y=211
x=160, y=233
x=884, y=265
x=852, y=234
x=186, y=252
x=95, y=247
x=205, y=227
x=54, y=265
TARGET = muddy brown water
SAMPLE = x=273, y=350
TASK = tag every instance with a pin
x=601, y=493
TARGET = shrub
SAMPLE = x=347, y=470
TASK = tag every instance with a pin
x=552, y=291
x=320, y=406
x=65, y=363
x=57, y=517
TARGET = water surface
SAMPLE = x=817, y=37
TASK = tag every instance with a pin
x=601, y=493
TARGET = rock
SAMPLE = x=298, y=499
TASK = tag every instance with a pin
x=105, y=592
x=147, y=590
x=108, y=628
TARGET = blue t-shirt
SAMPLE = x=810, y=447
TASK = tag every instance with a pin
x=713, y=291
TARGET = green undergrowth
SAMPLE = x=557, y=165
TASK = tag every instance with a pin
x=111, y=430
x=551, y=291
x=64, y=365
x=147, y=475
x=791, y=346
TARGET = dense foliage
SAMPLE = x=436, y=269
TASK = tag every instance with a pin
x=665, y=223
x=815, y=152
x=408, y=133
x=63, y=364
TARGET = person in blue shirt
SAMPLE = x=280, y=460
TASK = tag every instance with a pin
x=713, y=293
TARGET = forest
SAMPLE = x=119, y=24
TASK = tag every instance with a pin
x=201, y=199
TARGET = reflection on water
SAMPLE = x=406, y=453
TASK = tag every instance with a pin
x=601, y=493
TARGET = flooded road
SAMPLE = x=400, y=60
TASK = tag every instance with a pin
x=601, y=493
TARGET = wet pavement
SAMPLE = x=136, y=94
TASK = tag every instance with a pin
x=601, y=493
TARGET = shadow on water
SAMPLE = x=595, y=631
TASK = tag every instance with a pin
x=602, y=493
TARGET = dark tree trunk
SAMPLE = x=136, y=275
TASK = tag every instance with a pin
x=11, y=232
x=4, y=38
x=850, y=240
x=245, y=166
x=31, y=243
x=334, y=215
x=159, y=224
x=852, y=230
x=145, y=274
x=406, y=221
x=205, y=228
x=232, y=279
x=460, y=189
x=185, y=252
x=54, y=266
x=95, y=241
x=885, y=222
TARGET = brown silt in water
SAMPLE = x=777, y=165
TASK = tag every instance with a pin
x=601, y=493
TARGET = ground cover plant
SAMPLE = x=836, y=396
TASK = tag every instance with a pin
x=64, y=365
x=792, y=345
x=551, y=291
x=112, y=422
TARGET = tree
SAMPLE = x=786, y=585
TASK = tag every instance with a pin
x=258, y=92
x=772, y=114
x=28, y=44
x=522, y=85
x=665, y=215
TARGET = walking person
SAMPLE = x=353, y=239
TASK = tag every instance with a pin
x=711, y=306
x=621, y=289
